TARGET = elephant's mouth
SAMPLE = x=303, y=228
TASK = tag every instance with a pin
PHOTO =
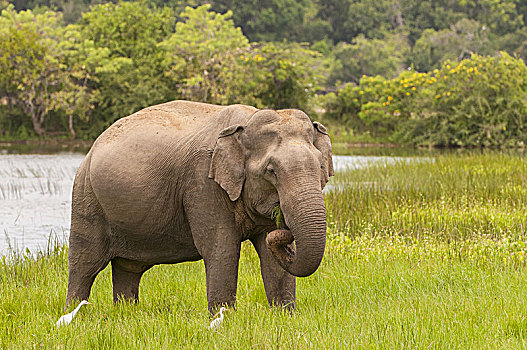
x=281, y=244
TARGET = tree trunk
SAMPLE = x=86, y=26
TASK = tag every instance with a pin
x=70, y=125
x=38, y=125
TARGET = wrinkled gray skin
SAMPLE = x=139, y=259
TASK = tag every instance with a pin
x=185, y=181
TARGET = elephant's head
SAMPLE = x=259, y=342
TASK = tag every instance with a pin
x=280, y=158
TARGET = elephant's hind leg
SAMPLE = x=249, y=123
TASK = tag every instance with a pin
x=81, y=281
x=88, y=255
x=126, y=276
x=88, y=243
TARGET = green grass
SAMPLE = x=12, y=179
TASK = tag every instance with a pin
x=448, y=196
x=424, y=255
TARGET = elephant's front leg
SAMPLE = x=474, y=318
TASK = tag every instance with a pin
x=218, y=243
x=280, y=286
x=221, y=265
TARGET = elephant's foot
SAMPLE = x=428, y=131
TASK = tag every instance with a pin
x=280, y=243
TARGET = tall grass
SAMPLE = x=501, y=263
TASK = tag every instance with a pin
x=424, y=255
x=451, y=196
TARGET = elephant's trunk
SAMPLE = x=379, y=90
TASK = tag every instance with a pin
x=305, y=216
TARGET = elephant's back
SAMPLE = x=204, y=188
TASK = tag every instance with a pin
x=172, y=119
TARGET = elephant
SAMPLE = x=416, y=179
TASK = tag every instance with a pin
x=185, y=181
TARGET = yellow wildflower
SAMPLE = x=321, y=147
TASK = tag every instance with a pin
x=361, y=92
x=413, y=88
x=438, y=96
x=390, y=98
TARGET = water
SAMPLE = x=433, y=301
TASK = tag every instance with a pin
x=343, y=163
x=35, y=199
x=35, y=196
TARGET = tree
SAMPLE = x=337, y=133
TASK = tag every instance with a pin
x=134, y=76
x=177, y=6
x=83, y=61
x=268, y=20
x=212, y=61
x=71, y=9
x=514, y=43
x=500, y=16
x=30, y=69
x=204, y=45
x=348, y=19
x=363, y=56
x=458, y=42
x=276, y=75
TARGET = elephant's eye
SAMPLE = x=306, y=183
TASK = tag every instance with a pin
x=271, y=171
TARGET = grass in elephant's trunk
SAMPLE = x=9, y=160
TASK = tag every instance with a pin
x=280, y=241
x=277, y=216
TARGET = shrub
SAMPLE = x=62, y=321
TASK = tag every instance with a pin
x=480, y=101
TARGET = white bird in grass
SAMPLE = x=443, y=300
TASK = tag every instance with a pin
x=217, y=321
x=66, y=319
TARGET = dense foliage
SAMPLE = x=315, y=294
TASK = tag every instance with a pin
x=73, y=67
x=480, y=101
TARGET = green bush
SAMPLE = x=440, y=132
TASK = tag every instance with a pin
x=275, y=75
x=481, y=101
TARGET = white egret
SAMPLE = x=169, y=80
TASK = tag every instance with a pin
x=217, y=321
x=66, y=319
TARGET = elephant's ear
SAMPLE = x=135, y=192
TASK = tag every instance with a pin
x=227, y=167
x=323, y=144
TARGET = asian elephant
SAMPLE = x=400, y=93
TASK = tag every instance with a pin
x=184, y=181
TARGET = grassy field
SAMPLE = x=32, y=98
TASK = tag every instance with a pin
x=428, y=253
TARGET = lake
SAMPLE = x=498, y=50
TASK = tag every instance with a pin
x=35, y=195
